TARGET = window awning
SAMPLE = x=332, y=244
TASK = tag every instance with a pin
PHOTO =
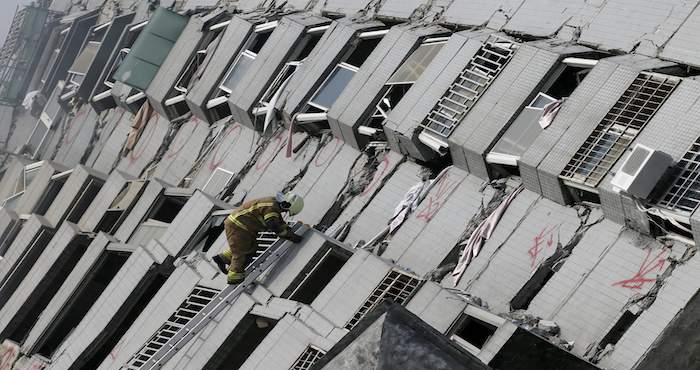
x=150, y=49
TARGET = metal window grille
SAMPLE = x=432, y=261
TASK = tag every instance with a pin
x=308, y=358
x=397, y=286
x=684, y=194
x=469, y=86
x=620, y=126
x=195, y=302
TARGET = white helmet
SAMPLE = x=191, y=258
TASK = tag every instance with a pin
x=294, y=203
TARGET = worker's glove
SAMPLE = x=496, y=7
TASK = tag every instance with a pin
x=294, y=238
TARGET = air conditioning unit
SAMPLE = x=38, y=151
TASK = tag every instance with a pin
x=642, y=171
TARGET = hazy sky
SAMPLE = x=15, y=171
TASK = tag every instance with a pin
x=7, y=11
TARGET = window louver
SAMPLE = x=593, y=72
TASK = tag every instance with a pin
x=195, y=302
x=684, y=194
x=619, y=128
x=308, y=358
x=396, y=286
x=469, y=86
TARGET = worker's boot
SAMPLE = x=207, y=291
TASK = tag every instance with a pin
x=220, y=263
x=235, y=277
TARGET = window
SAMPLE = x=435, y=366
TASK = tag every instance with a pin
x=198, y=298
x=241, y=343
x=54, y=188
x=21, y=266
x=396, y=286
x=404, y=77
x=124, y=48
x=60, y=38
x=25, y=178
x=620, y=126
x=469, y=86
x=217, y=181
x=243, y=61
x=317, y=273
x=333, y=86
x=83, y=201
x=684, y=194
x=82, y=299
x=340, y=77
x=120, y=207
x=473, y=333
x=308, y=358
x=521, y=133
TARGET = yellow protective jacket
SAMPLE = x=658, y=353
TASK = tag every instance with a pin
x=258, y=215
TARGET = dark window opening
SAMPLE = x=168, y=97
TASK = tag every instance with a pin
x=618, y=330
x=577, y=195
x=110, y=222
x=316, y=275
x=9, y=235
x=178, y=109
x=566, y=82
x=310, y=43
x=221, y=111
x=474, y=331
x=22, y=266
x=498, y=171
x=81, y=204
x=361, y=52
x=167, y=209
x=25, y=319
x=81, y=302
x=661, y=227
x=522, y=300
x=49, y=195
x=127, y=314
x=259, y=41
x=241, y=343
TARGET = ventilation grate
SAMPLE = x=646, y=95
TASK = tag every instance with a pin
x=396, y=286
x=469, y=86
x=619, y=128
x=195, y=302
x=684, y=194
x=308, y=358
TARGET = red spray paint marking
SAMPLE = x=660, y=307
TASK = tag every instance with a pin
x=216, y=160
x=181, y=140
x=270, y=154
x=9, y=356
x=648, y=266
x=69, y=126
x=384, y=165
x=324, y=155
x=36, y=365
x=135, y=154
x=437, y=198
x=545, y=239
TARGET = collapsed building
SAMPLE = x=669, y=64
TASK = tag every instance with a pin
x=490, y=184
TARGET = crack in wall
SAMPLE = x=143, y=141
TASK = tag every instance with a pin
x=173, y=130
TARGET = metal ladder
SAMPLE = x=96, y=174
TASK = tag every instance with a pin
x=221, y=301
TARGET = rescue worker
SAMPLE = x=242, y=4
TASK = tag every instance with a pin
x=243, y=225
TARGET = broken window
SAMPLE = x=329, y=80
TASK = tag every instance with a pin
x=396, y=286
x=472, y=332
x=317, y=273
x=684, y=194
x=242, y=63
x=25, y=178
x=301, y=50
x=340, y=77
x=120, y=207
x=23, y=264
x=308, y=358
x=241, y=343
x=198, y=298
x=405, y=76
x=526, y=127
x=124, y=48
x=20, y=325
x=176, y=97
x=620, y=126
x=491, y=58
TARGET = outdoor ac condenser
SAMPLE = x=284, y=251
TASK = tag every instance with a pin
x=641, y=171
